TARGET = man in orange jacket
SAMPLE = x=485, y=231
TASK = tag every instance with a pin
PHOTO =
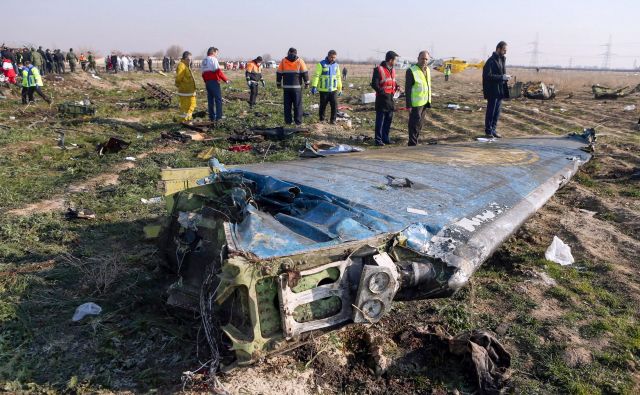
x=253, y=73
x=292, y=72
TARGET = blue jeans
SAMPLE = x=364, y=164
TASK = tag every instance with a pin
x=492, y=115
x=214, y=95
x=383, y=124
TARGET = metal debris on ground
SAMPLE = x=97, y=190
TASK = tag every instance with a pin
x=74, y=109
x=604, y=92
x=488, y=360
x=630, y=107
x=80, y=213
x=183, y=136
x=155, y=91
x=318, y=150
x=277, y=133
x=281, y=252
x=112, y=146
x=202, y=127
x=515, y=90
x=538, y=90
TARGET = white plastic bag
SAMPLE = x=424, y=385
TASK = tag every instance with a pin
x=559, y=252
x=86, y=309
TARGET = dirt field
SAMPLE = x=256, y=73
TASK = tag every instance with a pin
x=571, y=329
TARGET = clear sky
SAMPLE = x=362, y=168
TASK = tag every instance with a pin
x=569, y=30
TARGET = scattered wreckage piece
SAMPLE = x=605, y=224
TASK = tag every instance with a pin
x=319, y=150
x=183, y=136
x=538, y=90
x=80, y=213
x=201, y=127
x=277, y=133
x=155, y=91
x=75, y=109
x=604, y=92
x=271, y=254
x=112, y=146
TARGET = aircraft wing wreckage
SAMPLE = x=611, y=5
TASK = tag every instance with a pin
x=272, y=253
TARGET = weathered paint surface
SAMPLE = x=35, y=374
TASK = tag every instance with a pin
x=453, y=183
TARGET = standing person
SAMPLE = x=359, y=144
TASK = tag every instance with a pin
x=131, y=63
x=36, y=59
x=327, y=80
x=253, y=74
x=186, y=88
x=418, y=95
x=31, y=82
x=344, y=73
x=114, y=63
x=120, y=64
x=165, y=64
x=83, y=61
x=7, y=53
x=43, y=67
x=7, y=69
x=292, y=72
x=72, y=59
x=92, y=62
x=125, y=63
x=49, y=60
x=384, y=83
x=172, y=63
x=150, y=62
x=141, y=63
x=212, y=74
x=447, y=72
x=59, y=57
x=495, y=88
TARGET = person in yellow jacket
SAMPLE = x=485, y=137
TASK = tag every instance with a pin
x=186, y=84
x=418, y=95
x=31, y=83
x=328, y=81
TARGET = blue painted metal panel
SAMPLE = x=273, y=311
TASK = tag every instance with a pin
x=346, y=197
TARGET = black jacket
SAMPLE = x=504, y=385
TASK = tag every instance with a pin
x=493, y=87
x=384, y=101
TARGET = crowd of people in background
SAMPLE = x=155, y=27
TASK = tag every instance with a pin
x=116, y=63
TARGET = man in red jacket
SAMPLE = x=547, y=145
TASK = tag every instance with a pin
x=212, y=74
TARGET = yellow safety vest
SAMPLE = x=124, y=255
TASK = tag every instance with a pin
x=421, y=89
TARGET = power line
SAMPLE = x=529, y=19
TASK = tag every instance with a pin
x=535, y=52
x=607, y=54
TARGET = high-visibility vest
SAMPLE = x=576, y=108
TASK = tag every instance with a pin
x=421, y=89
x=31, y=77
x=327, y=77
x=292, y=72
x=387, y=80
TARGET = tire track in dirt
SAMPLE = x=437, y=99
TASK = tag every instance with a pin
x=451, y=124
x=572, y=123
x=519, y=126
x=58, y=202
x=548, y=127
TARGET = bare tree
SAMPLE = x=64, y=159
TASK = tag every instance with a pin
x=266, y=57
x=175, y=51
x=157, y=54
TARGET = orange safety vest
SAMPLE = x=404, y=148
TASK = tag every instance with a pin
x=253, y=67
x=387, y=80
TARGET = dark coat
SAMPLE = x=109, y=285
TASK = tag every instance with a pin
x=384, y=101
x=493, y=86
